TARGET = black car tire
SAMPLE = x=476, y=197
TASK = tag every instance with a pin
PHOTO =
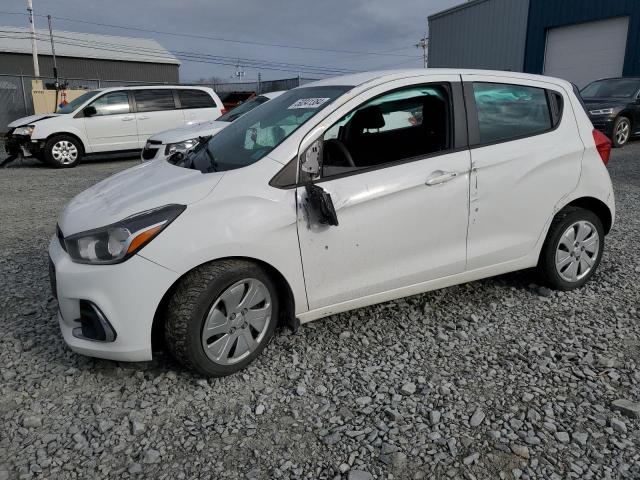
x=560, y=224
x=69, y=145
x=620, y=122
x=194, y=299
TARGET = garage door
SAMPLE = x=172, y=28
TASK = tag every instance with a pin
x=587, y=51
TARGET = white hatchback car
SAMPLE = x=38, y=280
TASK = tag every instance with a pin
x=183, y=139
x=110, y=120
x=315, y=204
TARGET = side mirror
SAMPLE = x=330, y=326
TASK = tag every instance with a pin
x=89, y=111
x=320, y=201
x=311, y=159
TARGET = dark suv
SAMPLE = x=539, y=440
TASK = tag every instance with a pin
x=614, y=107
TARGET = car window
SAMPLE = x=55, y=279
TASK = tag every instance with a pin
x=403, y=124
x=112, y=103
x=243, y=108
x=153, y=100
x=510, y=111
x=255, y=134
x=612, y=88
x=74, y=104
x=195, y=99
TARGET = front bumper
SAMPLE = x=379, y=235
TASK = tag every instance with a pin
x=604, y=123
x=128, y=295
x=22, y=145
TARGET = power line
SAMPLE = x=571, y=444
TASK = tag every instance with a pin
x=187, y=56
x=218, y=39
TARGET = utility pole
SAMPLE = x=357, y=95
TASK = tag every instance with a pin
x=424, y=44
x=34, y=45
x=53, y=52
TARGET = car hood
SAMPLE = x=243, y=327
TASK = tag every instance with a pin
x=598, y=103
x=188, y=132
x=30, y=119
x=144, y=187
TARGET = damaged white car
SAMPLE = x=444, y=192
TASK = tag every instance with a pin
x=336, y=195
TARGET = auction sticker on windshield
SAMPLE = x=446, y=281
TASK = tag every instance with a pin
x=308, y=103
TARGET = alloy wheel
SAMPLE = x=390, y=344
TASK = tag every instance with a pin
x=64, y=152
x=577, y=251
x=622, y=132
x=237, y=322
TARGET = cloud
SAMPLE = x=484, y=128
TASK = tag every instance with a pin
x=354, y=25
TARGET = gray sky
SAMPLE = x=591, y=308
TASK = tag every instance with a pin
x=386, y=26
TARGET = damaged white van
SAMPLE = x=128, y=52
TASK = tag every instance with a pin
x=336, y=195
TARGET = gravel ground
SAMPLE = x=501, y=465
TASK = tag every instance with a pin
x=494, y=379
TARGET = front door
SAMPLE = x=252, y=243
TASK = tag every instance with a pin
x=400, y=192
x=113, y=126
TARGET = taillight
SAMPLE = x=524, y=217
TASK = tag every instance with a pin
x=603, y=145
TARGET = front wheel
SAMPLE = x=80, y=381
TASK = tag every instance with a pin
x=221, y=317
x=573, y=249
x=62, y=151
x=621, y=131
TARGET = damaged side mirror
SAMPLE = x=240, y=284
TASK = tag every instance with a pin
x=320, y=202
x=311, y=159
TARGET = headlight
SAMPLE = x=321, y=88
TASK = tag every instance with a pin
x=180, y=146
x=117, y=242
x=26, y=130
x=603, y=111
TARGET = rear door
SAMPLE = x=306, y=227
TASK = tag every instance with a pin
x=113, y=127
x=526, y=156
x=197, y=105
x=156, y=111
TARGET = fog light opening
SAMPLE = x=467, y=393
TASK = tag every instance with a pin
x=94, y=325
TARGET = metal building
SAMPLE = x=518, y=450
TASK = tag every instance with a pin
x=88, y=56
x=579, y=40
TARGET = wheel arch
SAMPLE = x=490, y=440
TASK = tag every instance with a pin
x=285, y=296
x=596, y=206
x=69, y=134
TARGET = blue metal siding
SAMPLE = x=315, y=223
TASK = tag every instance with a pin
x=481, y=34
x=545, y=14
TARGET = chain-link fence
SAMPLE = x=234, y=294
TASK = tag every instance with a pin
x=16, y=100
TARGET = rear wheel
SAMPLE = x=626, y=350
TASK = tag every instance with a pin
x=62, y=151
x=221, y=317
x=573, y=249
x=621, y=131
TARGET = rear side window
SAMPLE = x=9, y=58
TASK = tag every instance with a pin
x=154, y=100
x=195, y=99
x=510, y=111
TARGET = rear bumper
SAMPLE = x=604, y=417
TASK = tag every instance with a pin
x=128, y=295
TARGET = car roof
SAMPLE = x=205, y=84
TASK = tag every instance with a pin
x=147, y=87
x=271, y=95
x=383, y=76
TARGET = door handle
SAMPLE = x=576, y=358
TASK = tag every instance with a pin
x=143, y=118
x=127, y=119
x=438, y=177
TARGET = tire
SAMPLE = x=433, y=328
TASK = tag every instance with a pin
x=207, y=296
x=63, y=151
x=621, y=132
x=555, y=268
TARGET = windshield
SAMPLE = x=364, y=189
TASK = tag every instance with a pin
x=617, y=88
x=74, y=104
x=255, y=134
x=243, y=108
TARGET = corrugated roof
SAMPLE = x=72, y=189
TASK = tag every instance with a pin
x=86, y=45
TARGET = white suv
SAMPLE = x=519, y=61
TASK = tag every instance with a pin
x=183, y=139
x=339, y=194
x=110, y=120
